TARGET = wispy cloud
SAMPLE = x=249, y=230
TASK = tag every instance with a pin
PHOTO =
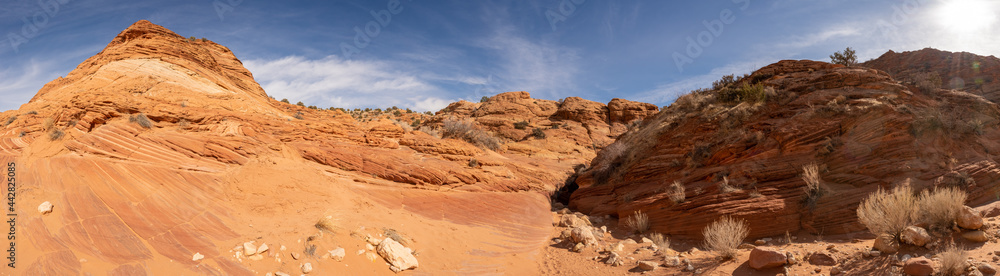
x=547, y=70
x=345, y=83
x=18, y=86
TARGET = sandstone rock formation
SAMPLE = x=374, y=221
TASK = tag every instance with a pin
x=160, y=147
x=931, y=68
x=859, y=126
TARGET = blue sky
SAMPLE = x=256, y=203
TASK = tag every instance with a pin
x=430, y=53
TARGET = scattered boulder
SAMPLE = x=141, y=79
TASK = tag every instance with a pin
x=791, y=258
x=249, y=249
x=969, y=219
x=45, y=208
x=279, y=273
x=256, y=257
x=307, y=268
x=986, y=269
x=338, y=254
x=399, y=257
x=975, y=236
x=918, y=266
x=197, y=257
x=571, y=221
x=822, y=259
x=295, y=255
x=765, y=257
x=645, y=240
x=614, y=260
x=886, y=244
x=671, y=261
x=578, y=247
x=263, y=248
x=915, y=235
x=648, y=265
x=584, y=235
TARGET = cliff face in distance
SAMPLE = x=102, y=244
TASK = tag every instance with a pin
x=160, y=148
x=860, y=127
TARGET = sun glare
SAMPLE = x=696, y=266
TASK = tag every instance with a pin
x=967, y=16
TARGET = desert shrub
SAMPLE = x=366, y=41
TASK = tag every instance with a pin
x=72, y=123
x=848, y=57
x=725, y=187
x=725, y=235
x=699, y=153
x=677, y=192
x=724, y=82
x=48, y=123
x=141, y=120
x=521, y=125
x=814, y=186
x=538, y=133
x=300, y=104
x=953, y=261
x=10, y=120
x=32, y=112
x=56, y=134
x=939, y=208
x=298, y=115
x=473, y=163
x=325, y=224
x=284, y=100
x=429, y=113
x=415, y=123
x=484, y=99
x=927, y=122
x=660, y=240
x=608, y=161
x=628, y=197
x=466, y=130
x=392, y=233
x=638, y=222
x=888, y=213
x=406, y=127
x=430, y=131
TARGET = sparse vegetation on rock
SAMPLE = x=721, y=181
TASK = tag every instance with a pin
x=848, y=57
x=724, y=235
x=467, y=130
x=141, y=120
x=638, y=222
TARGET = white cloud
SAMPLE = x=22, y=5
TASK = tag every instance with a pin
x=345, y=83
x=545, y=70
x=19, y=86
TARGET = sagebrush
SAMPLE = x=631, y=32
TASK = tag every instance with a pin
x=725, y=235
x=639, y=222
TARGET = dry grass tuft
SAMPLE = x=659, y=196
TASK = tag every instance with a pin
x=142, y=120
x=660, y=240
x=953, y=261
x=56, y=134
x=467, y=130
x=677, y=192
x=886, y=213
x=725, y=187
x=392, y=233
x=725, y=235
x=326, y=224
x=639, y=222
x=814, y=185
x=939, y=208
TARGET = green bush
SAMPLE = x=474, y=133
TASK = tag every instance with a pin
x=284, y=100
x=521, y=125
x=848, y=57
x=484, y=99
x=749, y=93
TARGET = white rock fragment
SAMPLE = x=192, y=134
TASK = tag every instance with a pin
x=197, y=257
x=45, y=208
